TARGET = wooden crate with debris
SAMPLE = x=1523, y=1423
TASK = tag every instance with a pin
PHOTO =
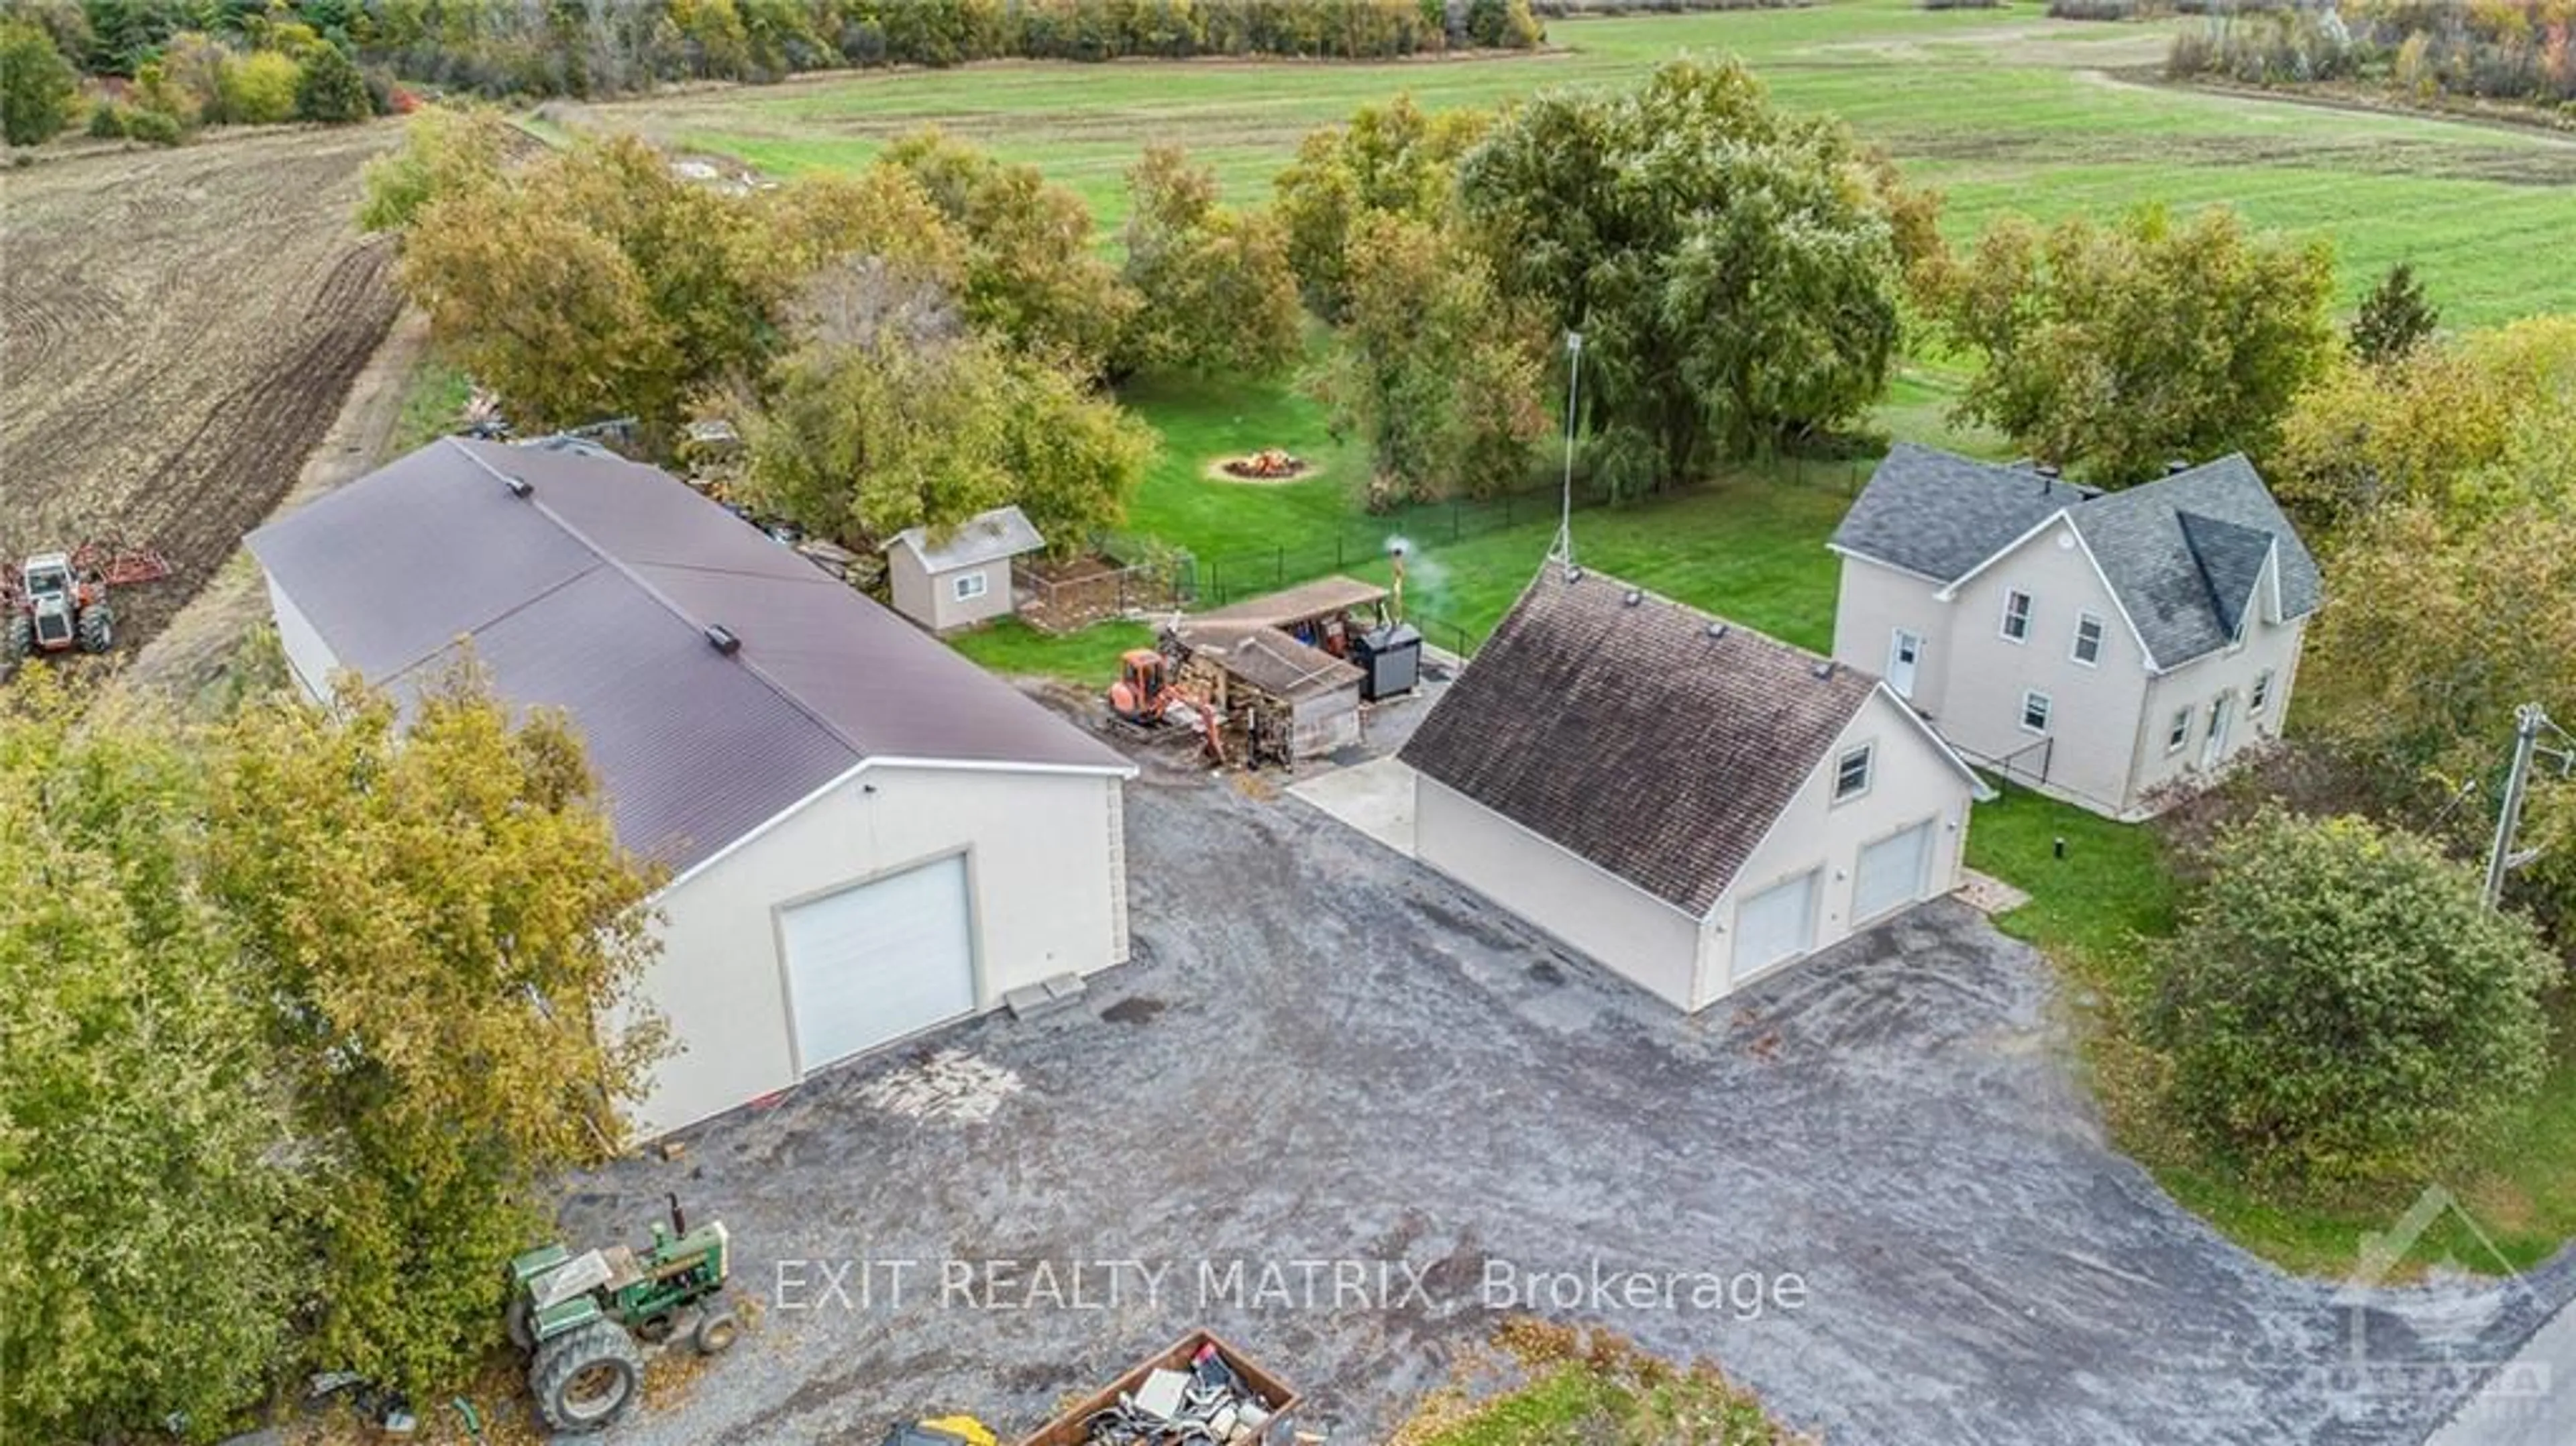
x=1199, y=1391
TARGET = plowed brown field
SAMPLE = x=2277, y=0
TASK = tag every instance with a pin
x=177, y=330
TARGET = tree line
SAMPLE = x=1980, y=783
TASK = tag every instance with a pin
x=265, y=68
x=505, y=48
x=2511, y=50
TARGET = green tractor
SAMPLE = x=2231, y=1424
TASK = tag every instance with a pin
x=580, y=1316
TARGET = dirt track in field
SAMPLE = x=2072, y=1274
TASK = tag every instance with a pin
x=177, y=330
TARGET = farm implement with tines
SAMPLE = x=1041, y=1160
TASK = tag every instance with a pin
x=57, y=602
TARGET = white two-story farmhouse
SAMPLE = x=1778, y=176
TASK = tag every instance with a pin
x=2100, y=646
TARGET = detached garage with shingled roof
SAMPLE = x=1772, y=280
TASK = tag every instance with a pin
x=866, y=835
x=1687, y=801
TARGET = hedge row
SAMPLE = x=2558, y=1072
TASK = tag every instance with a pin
x=586, y=47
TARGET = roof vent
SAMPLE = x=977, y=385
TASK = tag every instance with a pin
x=1574, y=574
x=723, y=640
x=1825, y=669
x=1717, y=630
x=519, y=487
x=1633, y=598
x=2049, y=470
x=2176, y=464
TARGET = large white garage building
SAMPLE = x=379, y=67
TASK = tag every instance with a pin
x=1687, y=801
x=866, y=834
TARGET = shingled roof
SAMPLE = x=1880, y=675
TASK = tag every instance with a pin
x=1650, y=738
x=982, y=538
x=2182, y=554
x=589, y=583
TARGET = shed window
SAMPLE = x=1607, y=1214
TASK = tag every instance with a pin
x=967, y=585
x=1851, y=773
x=2262, y=692
x=2017, y=615
x=2035, y=709
x=2180, y=733
x=2088, y=639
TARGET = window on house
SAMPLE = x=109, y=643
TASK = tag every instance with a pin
x=1851, y=774
x=2262, y=692
x=2088, y=639
x=2035, y=709
x=2180, y=733
x=967, y=585
x=2017, y=615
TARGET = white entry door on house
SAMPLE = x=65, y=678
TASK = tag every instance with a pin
x=1892, y=872
x=2216, y=748
x=878, y=961
x=1903, y=651
x=1775, y=925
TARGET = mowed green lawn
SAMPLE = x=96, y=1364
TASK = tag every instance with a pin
x=2004, y=110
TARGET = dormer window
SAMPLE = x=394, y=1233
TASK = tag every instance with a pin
x=2017, y=616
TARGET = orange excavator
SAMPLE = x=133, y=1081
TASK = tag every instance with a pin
x=1146, y=696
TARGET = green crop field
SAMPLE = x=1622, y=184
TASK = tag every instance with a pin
x=2004, y=110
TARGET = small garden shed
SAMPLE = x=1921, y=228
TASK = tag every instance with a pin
x=963, y=578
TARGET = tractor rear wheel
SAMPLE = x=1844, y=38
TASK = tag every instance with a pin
x=97, y=628
x=22, y=641
x=520, y=1321
x=586, y=1378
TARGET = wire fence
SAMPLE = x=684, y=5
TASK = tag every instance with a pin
x=1151, y=574
x=1361, y=541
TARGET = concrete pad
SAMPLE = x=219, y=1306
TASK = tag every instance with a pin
x=1990, y=895
x=1374, y=797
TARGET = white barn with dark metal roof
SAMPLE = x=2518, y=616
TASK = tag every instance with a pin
x=866, y=834
x=1689, y=802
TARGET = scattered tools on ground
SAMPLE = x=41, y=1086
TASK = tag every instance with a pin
x=580, y=1317
x=1198, y=1392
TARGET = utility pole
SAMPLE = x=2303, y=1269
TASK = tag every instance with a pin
x=1564, y=549
x=2528, y=721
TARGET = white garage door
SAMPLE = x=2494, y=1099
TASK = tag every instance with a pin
x=1776, y=924
x=879, y=961
x=1891, y=872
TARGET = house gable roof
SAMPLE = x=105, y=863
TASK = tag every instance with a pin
x=2181, y=555
x=2169, y=577
x=1648, y=738
x=982, y=538
x=1940, y=515
x=594, y=593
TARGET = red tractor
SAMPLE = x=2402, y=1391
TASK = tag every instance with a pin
x=54, y=608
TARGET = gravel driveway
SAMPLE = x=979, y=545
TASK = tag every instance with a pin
x=1910, y=1227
